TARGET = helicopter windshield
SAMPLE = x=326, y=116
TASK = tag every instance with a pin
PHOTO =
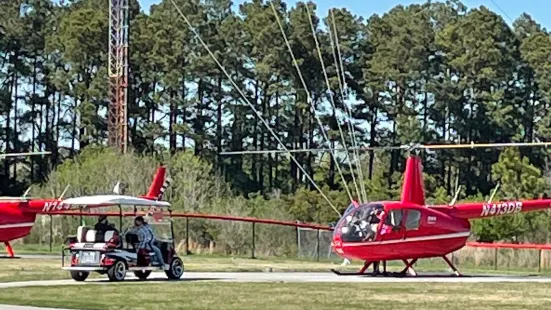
x=359, y=224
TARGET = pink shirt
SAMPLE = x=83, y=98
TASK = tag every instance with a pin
x=386, y=229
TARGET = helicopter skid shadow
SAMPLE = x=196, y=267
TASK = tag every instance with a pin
x=155, y=280
x=420, y=276
x=9, y=257
x=447, y=276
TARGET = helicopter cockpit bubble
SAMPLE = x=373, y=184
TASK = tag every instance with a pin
x=359, y=223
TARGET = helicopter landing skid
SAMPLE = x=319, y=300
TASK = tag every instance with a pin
x=373, y=274
x=408, y=269
x=359, y=273
x=455, y=271
x=341, y=273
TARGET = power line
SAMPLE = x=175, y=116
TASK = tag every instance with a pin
x=502, y=11
x=258, y=114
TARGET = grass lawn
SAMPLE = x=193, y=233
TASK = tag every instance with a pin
x=288, y=296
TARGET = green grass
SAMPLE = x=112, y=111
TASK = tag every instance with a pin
x=288, y=296
x=37, y=249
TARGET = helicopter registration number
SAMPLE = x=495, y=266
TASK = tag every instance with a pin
x=55, y=206
x=501, y=208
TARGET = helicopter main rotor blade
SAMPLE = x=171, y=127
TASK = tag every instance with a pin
x=399, y=147
x=24, y=154
x=483, y=145
x=367, y=148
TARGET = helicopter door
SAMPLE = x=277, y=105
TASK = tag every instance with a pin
x=413, y=224
x=392, y=228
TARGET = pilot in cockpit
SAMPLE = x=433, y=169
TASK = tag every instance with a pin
x=351, y=226
x=370, y=227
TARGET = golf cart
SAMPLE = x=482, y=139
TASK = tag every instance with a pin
x=113, y=253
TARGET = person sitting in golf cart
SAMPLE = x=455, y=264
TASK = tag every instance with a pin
x=146, y=239
x=103, y=225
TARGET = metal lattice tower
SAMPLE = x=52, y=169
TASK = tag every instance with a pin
x=117, y=119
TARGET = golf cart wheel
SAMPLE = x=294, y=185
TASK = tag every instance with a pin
x=142, y=275
x=176, y=269
x=117, y=272
x=79, y=275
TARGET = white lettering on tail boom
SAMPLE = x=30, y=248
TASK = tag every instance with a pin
x=501, y=208
x=55, y=206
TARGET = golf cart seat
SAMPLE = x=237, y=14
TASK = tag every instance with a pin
x=87, y=235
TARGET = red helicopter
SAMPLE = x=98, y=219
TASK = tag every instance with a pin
x=18, y=214
x=409, y=229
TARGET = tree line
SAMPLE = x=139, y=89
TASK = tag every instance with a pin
x=437, y=72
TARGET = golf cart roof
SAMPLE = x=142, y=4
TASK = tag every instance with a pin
x=113, y=200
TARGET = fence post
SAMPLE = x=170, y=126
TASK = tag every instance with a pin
x=187, y=236
x=318, y=247
x=252, y=254
x=540, y=259
x=495, y=259
x=51, y=233
x=297, y=232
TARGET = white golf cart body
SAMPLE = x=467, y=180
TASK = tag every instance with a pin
x=109, y=253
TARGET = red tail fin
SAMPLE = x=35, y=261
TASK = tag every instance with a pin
x=159, y=185
x=413, y=190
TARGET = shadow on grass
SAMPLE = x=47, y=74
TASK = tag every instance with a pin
x=426, y=275
x=155, y=280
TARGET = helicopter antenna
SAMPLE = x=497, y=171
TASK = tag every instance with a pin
x=456, y=196
x=63, y=194
x=26, y=192
x=457, y=191
x=494, y=192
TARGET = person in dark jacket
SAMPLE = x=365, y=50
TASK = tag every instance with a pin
x=103, y=225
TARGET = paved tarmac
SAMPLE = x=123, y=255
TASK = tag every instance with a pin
x=290, y=277
x=32, y=256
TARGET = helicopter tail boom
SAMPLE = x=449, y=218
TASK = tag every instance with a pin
x=28, y=205
x=491, y=209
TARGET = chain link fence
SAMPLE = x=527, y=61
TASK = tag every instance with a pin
x=256, y=239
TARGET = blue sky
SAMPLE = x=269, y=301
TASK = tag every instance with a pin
x=538, y=9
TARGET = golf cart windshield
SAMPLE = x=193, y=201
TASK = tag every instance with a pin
x=161, y=226
x=359, y=223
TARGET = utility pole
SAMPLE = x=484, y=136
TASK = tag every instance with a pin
x=117, y=118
